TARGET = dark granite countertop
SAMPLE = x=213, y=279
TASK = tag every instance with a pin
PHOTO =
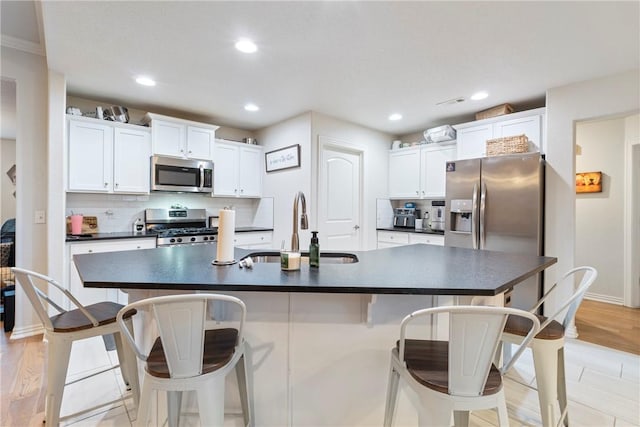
x=131, y=235
x=398, y=270
x=410, y=230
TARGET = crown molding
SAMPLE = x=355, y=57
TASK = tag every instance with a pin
x=23, y=45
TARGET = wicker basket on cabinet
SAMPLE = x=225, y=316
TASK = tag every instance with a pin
x=507, y=145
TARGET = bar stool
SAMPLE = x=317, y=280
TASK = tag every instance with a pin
x=62, y=329
x=456, y=376
x=548, y=345
x=191, y=351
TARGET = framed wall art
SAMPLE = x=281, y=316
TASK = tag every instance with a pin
x=283, y=158
x=589, y=182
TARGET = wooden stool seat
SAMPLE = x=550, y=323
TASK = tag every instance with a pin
x=520, y=326
x=219, y=346
x=74, y=320
x=428, y=363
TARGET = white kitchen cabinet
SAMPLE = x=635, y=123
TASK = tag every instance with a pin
x=433, y=164
x=429, y=239
x=176, y=137
x=107, y=157
x=253, y=239
x=419, y=173
x=237, y=169
x=472, y=136
x=404, y=173
x=93, y=295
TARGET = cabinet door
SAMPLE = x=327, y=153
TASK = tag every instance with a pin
x=432, y=171
x=404, y=174
x=88, y=296
x=225, y=170
x=530, y=126
x=168, y=138
x=250, y=172
x=199, y=142
x=90, y=157
x=131, y=161
x=472, y=141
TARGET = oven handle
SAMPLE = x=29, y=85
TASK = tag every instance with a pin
x=201, y=177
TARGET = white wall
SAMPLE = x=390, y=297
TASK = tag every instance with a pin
x=600, y=216
x=611, y=95
x=7, y=200
x=375, y=146
x=30, y=74
x=283, y=185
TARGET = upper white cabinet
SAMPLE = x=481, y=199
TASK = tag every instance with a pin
x=419, y=172
x=237, y=169
x=181, y=138
x=472, y=136
x=107, y=157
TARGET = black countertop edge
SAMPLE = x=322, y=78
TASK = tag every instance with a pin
x=410, y=230
x=131, y=235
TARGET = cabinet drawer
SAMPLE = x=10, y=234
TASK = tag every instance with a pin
x=396, y=237
x=253, y=238
x=429, y=239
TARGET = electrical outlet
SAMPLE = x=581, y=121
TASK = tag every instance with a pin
x=39, y=217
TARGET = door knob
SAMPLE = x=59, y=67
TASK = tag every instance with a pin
x=356, y=227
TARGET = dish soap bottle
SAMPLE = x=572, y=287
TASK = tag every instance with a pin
x=314, y=251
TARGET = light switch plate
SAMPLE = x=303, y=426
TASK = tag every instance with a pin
x=39, y=217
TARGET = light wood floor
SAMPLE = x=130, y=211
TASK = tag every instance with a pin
x=609, y=325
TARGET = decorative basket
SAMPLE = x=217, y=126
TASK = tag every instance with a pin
x=495, y=111
x=508, y=145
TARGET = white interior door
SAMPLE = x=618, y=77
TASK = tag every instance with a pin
x=339, y=190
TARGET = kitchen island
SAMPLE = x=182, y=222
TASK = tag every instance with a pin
x=319, y=340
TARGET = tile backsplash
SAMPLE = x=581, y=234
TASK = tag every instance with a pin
x=117, y=213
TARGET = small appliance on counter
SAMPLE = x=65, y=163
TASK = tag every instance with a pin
x=405, y=217
x=436, y=215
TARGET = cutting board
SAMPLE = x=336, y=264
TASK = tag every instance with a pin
x=89, y=225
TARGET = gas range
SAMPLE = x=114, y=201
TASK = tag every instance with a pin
x=179, y=226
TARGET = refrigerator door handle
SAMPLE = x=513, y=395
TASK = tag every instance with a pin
x=483, y=202
x=474, y=210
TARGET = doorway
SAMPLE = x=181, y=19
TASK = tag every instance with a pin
x=340, y=196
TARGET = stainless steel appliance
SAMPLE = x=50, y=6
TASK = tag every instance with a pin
x=181, y=175
x=436, y=215
x=179, y=226
x=497, y=203
x=405, y=217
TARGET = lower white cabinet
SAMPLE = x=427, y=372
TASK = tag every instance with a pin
x=253, y=239
x=93, y=295
x=387, y=239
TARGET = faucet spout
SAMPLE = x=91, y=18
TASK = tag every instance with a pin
x=304, y=221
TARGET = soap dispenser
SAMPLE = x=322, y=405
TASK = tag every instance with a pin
x=314, y=251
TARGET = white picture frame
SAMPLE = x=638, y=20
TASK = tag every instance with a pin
x=283, y=158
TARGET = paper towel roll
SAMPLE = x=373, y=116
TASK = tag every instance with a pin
x=226, y=234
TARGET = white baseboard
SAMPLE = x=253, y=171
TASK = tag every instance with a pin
x=604, y=298
x=26, y=331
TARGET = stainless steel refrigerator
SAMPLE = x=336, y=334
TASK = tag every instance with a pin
x=497, y=203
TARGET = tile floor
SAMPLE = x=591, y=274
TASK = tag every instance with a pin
x=603, y=387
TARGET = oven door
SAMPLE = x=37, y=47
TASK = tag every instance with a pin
x=181, y=175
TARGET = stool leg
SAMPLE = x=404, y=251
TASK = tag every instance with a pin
x=562, y=387
x=59, y=351
x=174, y=405
x=545, y=361
x=434, y=413
x=211, y=401
x=461, y=418
x=392, y=396
x=145, y=402
x=128, y=367
x=243, y=385
x=503, y=415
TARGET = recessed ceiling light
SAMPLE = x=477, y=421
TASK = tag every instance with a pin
x=251, y=107
x=145, y=81
x=479, y=95
x=395, y=117
x=246, y=46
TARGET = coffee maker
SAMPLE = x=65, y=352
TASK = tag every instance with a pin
x=436, y=215
x=405, y=217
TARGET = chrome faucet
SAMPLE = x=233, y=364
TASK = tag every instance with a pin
x=304, y=222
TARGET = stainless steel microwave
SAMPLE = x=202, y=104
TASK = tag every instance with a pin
x=181, y=175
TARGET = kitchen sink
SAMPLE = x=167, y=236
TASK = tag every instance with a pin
x=325, y=258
